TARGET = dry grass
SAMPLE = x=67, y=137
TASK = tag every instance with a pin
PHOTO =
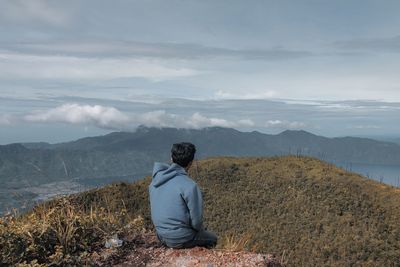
x=306, y=211
x=234, y=242
x=62, y=233
x=320, y=215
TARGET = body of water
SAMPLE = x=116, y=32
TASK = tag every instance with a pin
x=388, y=174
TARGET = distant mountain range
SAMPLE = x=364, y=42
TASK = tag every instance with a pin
x=32, y=172
x=396, y=140
x=131, y=154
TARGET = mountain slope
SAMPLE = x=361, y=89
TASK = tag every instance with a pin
x=314, y=212
x=320, y=213
x=123, y=154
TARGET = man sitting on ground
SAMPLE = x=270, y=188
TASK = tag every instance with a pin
x=176, y=202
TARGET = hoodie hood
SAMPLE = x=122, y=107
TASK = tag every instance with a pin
x=163, y=172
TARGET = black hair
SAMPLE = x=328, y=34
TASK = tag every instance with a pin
x=183, y=153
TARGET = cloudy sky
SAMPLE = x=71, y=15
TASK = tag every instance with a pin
x=70, y=69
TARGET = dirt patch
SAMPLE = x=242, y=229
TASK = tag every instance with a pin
x=146, y=250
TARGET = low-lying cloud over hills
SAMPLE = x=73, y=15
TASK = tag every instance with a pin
x=84, y=116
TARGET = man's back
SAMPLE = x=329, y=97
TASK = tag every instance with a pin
x=176, y=204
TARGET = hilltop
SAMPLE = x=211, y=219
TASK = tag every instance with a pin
x=310, y=211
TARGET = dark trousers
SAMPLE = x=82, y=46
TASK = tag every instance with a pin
x=202, y=238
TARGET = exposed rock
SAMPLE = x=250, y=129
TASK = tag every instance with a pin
x=145, y=250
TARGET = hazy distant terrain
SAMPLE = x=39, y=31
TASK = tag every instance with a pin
x=396, y=140
x=128, y=156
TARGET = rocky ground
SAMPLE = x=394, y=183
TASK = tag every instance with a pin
x=145, y=250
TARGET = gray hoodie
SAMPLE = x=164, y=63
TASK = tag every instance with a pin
x=176, y=204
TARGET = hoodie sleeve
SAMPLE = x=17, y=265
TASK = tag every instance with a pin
x=194, y=203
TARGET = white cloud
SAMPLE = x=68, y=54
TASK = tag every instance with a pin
x=285, y=124
x=101, y=48
x=220, y=94
x=34, y=10
x=158, y=118
x=112, y=118
x=198, y=121
x=16, y=65
x=387, y=44
x=246, y=122
x=5, y=119
x=367, y=127
x=104, y=117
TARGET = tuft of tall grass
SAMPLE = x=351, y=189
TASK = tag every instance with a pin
x=235, y=242
x=63, y=233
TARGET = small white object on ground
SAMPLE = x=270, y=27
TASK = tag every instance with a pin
x=113, y=242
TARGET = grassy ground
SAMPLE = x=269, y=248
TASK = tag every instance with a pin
x=307, y=211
